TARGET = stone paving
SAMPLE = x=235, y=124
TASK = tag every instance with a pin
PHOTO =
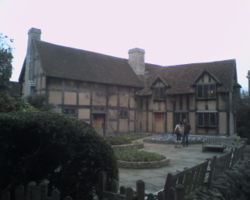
x=155, y=178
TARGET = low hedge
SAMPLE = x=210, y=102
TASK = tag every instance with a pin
x=42, y=145
x=138, y=156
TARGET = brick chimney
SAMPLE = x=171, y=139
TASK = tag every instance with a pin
x=33, y=34
x=136, y=60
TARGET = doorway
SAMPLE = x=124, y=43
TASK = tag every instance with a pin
x=99, y=123
x=159, y=123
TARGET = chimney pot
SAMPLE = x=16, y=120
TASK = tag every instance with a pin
x=35, y=33
x=136, y=60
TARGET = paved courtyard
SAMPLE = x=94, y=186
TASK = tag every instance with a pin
x=155, y=178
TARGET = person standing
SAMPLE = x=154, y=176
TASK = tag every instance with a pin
x=179, y=132
x=187, y=129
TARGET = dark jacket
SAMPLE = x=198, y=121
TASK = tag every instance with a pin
x=187, y=128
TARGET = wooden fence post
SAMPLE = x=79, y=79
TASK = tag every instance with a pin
x=36, y=193
x=19, y=193
x=33, y=191
x=161, y=196
x=44, y=189
x=242, y=152
x=122, y=190
x=171, y=194
x=67, y=198
x=140, y=190
x=29, y=190
x=5, y=195
x=179, y=192
x=235, y=155
x=211, y=172
x=102, y=181
x=188, y=182
x=231, y=159
x=167, y=186
x=129, y=194
x=114, y=186
x=56, y=195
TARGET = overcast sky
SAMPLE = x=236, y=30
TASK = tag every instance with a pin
x=171, y=32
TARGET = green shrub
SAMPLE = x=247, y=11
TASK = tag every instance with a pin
x=13, y=104
x=118, y=140
x=138, y=156
x=66, y=151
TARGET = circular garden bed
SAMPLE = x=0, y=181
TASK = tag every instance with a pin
x=140, y=159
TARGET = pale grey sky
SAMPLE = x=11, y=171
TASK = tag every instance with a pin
x=171, y=32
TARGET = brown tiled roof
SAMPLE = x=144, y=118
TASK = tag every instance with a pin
x=181, y=77
x=64, y=62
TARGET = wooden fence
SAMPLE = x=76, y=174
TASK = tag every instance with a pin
x=184, y=183
x=177, y=185
x=32, y=191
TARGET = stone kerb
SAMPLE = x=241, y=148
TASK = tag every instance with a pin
x=128, y=146
x=143, y=165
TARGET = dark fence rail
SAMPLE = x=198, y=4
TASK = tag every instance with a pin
x=183, y=183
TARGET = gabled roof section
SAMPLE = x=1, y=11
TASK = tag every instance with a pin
x=209, y=74
x=180, y=78
x=75, y=64
x=159, y=78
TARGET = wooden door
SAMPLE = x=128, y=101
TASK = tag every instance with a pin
x=99, y=123
x=159, y=125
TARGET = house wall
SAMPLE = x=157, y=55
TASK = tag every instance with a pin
x=144, y=114
x=88, y=99
x=152, y=121
x=34, y=77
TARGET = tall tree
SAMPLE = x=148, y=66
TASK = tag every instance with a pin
x=5, y=61
x=243, y=116
x=7, y=103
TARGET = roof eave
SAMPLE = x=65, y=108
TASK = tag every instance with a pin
x=87, y=81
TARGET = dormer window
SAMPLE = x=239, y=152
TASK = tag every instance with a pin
x=206, y=85
x=159, y=89
x=206, y=91
x=159, y=93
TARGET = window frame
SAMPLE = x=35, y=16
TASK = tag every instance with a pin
x=123, y=113
x=205, y=119
x=159, y=93
x=70, y=114
x=203, y=91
